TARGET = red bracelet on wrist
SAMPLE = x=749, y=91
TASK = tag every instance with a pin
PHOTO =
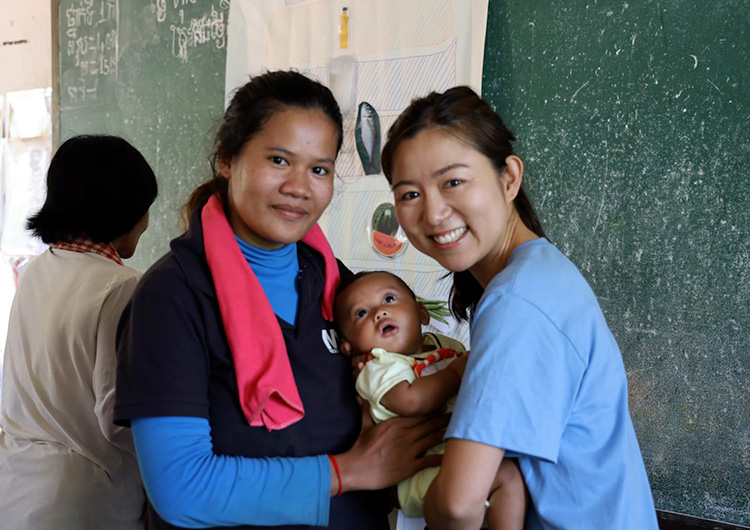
x=338, y=473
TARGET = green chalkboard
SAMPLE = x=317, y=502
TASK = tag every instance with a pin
x=151, y=71
x=634, y=123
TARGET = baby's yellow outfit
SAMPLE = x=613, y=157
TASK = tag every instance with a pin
x=385, y=371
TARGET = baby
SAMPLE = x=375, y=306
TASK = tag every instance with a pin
x=411, y=374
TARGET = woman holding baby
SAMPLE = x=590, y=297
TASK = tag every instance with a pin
x=545, y=381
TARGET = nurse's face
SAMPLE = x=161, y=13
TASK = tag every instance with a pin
x=282, y=180
x=452, y=203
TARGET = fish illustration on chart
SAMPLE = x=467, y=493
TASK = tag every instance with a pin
x=367, y=135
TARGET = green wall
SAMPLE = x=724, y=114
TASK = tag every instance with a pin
x=634, y=122
x=166, y=98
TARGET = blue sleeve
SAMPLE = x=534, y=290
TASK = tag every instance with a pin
x=520, y=382
x=192, y=487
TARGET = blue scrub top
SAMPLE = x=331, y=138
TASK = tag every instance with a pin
x=545, y=381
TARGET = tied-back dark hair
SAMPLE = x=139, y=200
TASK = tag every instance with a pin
x=98, y=186
x=252, y=105
x=462, y=113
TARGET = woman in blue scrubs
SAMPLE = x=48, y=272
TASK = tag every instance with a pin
x=545, y=381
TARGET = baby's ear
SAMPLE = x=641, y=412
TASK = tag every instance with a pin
x=345, y=347
x=424, y=315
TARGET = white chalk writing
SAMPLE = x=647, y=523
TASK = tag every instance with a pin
x=198, y=31
x=192, y=31
x=160, y=8
x=89, y=47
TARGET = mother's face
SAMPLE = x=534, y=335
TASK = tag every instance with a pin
x=282, y=180
x=450, y=200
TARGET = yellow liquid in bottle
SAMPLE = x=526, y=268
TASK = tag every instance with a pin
x=344, y=29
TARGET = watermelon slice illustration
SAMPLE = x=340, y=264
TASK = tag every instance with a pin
x=384, y=231
x=386, y=245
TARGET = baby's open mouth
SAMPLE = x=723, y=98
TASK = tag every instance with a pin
x=388, y=330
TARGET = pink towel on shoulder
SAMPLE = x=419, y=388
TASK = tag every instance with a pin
x=268, y=392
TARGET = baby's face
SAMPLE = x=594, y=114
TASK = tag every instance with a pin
x=378, y=312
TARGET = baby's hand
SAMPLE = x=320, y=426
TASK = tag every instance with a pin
x=358, y=363
x=358, y=360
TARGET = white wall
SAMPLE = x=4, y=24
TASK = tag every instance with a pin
x=25, y=45
x=25, y=64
